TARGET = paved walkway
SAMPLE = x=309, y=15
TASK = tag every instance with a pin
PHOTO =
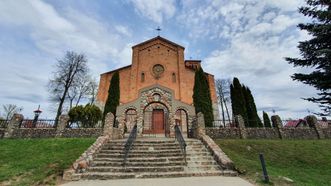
x=183, y=181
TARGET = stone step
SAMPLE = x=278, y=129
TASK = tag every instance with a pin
x=143, y=148
x=135, y=169
x=141, y=159
x=108, y=175
x=120, y=155
x=136, y=164
x=134, y=151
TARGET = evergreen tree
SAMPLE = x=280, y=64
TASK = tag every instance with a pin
x=113, y=99
x=201, y=97
x=316, y=52
x=238, y=100
x=253, y=117
x=266, y=120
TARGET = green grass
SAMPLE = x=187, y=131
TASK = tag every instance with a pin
x=306, y=162
x=38, y=161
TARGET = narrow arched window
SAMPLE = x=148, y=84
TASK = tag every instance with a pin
x=142, y=77
x=174, y=77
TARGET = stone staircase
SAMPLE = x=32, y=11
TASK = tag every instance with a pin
x=153, y=158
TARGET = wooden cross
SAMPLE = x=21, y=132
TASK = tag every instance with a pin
x=158, y=29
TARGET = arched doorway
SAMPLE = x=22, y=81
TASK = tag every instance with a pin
x=155, y=120
x=181, y=120
x=130, y=119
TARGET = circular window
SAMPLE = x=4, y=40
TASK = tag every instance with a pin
x=158, y=70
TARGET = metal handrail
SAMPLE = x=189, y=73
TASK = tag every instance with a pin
x=129, y=143
x=181, y=141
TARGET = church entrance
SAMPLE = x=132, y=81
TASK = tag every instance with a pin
x=155, y=120
x=158, y=121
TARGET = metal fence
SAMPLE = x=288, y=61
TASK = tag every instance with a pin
x=4, y=123
x=75, y=125
x=42, y=123
x=224, y=123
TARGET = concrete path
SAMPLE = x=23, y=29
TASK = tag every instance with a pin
x=182, y=181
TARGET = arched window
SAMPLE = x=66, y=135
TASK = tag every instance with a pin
x=130, y=119
x=142, y=77
x=174, y=77
x=181, y=119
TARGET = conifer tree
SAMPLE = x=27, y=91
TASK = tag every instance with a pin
x=253, y=117
x=266, y=120
x=316, y=52
x=238, y=100
x=113, y=99
x=201, y=97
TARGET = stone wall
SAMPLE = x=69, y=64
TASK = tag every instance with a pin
x=262, y=133
x=223, y=133
x=34, y=133
x=327, y=132
x=2, y=133
x=83, y=132
x=277, y=132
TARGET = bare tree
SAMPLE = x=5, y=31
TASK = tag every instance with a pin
x=82, y=88
x=10, y=109
x=223, y=95
x=69, y=69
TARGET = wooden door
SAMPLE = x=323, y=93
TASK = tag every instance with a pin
x=158, y=121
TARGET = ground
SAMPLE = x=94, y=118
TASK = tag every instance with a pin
x=38, y=161
x=306, y=162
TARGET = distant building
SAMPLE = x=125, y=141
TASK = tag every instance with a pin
x=156, y=89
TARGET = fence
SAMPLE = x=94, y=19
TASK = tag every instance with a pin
x=77, y=125
x=42, y=123
x=224, y=123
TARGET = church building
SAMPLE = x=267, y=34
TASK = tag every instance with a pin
x=156, y=89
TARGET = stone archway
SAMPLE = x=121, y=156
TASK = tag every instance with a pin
x=156, y=119
x=181, y=119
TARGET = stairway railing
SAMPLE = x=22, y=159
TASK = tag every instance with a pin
x=181, y=141
x=129, y=143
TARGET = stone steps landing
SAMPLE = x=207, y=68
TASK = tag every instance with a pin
x=153, y=158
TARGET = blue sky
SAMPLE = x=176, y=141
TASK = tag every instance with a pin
x=247, y=39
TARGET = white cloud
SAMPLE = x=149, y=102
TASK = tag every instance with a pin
x=52, y=33
x=155, y=10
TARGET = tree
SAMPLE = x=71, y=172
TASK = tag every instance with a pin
x=86, y=117
x=10, y=109
x=69, y=69
x=223, y=95
x=238, y=100
x=252, y=116
x=316, y=52
x=82, y=88
x=266, y=120
x=113, y=99
x=201, y=97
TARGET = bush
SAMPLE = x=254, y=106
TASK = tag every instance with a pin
x=86, y=117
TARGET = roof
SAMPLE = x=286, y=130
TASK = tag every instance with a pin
x=116, y=70
x=160, y=38
x=193, y=60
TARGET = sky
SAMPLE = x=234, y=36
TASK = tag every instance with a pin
x=247, y=39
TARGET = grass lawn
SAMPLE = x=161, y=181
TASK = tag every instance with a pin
x=306, y=162
x=38, y=161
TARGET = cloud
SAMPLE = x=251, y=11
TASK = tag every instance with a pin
x=155, y=10
x=254, y=37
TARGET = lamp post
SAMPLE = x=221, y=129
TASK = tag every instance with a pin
x=36, y=115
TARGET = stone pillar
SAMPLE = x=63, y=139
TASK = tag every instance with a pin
x=201, y=130
x=13, y=125
x=312, y=122
x=239, y=120
x=62, y=124
x=277, y=123
x=108, y=127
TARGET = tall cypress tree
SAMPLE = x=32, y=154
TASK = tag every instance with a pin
x=238, y=100
x=253, y=117
x=266, y=120
x=113, y=99
x=201, y=97
x=316, y=52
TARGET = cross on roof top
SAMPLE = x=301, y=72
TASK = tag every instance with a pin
x=158, y=29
